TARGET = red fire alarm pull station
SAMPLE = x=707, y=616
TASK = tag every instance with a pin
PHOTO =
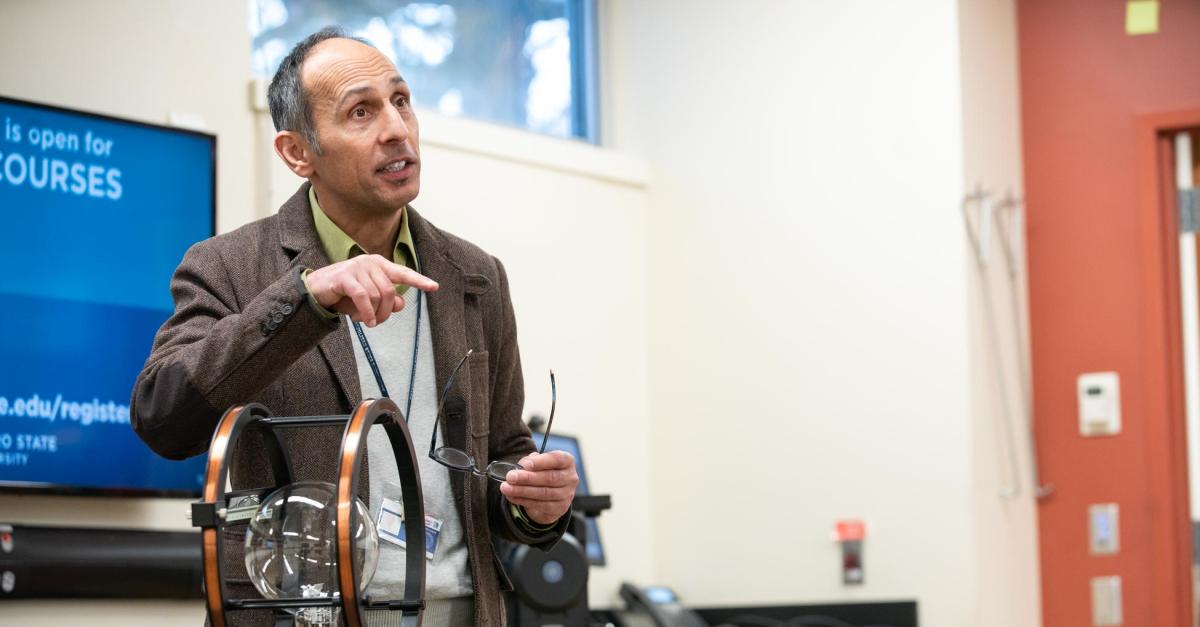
x=6, y=539
x=850, y=535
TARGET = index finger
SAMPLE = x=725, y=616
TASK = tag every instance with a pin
x=550, y=460
x=401, y=275
x=547, y=478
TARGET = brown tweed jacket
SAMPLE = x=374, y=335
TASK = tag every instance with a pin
x=243, y=332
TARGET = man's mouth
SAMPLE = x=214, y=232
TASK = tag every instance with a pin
x=396, y=170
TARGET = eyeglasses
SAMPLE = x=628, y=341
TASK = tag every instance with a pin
x=458, y=459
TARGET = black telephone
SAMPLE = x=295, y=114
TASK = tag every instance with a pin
x=655, y=606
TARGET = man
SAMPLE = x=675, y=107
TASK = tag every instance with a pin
x=258, y=317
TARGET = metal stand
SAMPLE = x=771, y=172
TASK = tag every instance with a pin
x=211, y=513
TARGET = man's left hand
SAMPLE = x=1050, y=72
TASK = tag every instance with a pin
x=545, y=487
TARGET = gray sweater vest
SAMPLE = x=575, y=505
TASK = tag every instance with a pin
x=448, y=575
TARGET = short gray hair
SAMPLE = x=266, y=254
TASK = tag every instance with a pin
x=289, y=104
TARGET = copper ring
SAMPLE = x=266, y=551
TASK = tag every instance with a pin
x=355, y=434
x=213, y=480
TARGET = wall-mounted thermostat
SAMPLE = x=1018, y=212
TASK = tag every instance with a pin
x=1099, y=403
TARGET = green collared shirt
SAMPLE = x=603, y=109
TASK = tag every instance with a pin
x=339, y=246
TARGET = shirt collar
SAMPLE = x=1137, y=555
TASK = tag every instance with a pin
x=340, y=246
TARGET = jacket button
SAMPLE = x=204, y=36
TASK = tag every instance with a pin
x=276, y=317
x=265, y=330
x=286, y=309
x=272, y=325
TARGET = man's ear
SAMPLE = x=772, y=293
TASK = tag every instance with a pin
x=295, y=152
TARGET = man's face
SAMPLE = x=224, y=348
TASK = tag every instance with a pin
x=370, y=158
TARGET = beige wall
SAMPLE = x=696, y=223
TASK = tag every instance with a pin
x=808, y=254
x=1003, y=498
x=808, y=319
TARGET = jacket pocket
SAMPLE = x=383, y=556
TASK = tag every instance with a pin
x=479, y=410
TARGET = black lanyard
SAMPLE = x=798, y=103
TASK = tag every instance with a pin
x=412, y=375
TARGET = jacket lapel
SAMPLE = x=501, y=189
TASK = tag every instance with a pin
x=446, y=310
x=447, y=326
x=298, y=236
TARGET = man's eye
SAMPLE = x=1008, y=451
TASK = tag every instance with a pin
x=359, y=112
x=401, y=102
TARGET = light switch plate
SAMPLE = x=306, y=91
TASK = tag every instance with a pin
x=1104, y=531
x=1106, y=601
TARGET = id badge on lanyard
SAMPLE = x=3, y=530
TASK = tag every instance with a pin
x=390, y=522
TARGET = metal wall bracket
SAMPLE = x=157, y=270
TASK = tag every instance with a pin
x=978, y=227
x=1007, y=215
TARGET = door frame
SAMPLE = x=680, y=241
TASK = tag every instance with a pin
x=1164, y=408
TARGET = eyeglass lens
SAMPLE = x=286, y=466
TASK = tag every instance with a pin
x=459, y=459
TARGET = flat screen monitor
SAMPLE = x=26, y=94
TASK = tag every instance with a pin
x=570, y=444
x=95, y=214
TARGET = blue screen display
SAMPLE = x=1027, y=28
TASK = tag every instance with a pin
x=95, y=214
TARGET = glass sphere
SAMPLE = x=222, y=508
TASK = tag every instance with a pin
x=290, y=542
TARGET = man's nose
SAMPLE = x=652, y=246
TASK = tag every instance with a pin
x=395, y=129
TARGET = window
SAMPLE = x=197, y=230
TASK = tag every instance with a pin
x=525, y=63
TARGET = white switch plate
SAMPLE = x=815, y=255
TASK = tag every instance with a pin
x=1099, y=395
x=1104, y=531
x=1106, y=601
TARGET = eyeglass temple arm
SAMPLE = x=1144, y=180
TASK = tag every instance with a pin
x=442, y=401
x=550, y=422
